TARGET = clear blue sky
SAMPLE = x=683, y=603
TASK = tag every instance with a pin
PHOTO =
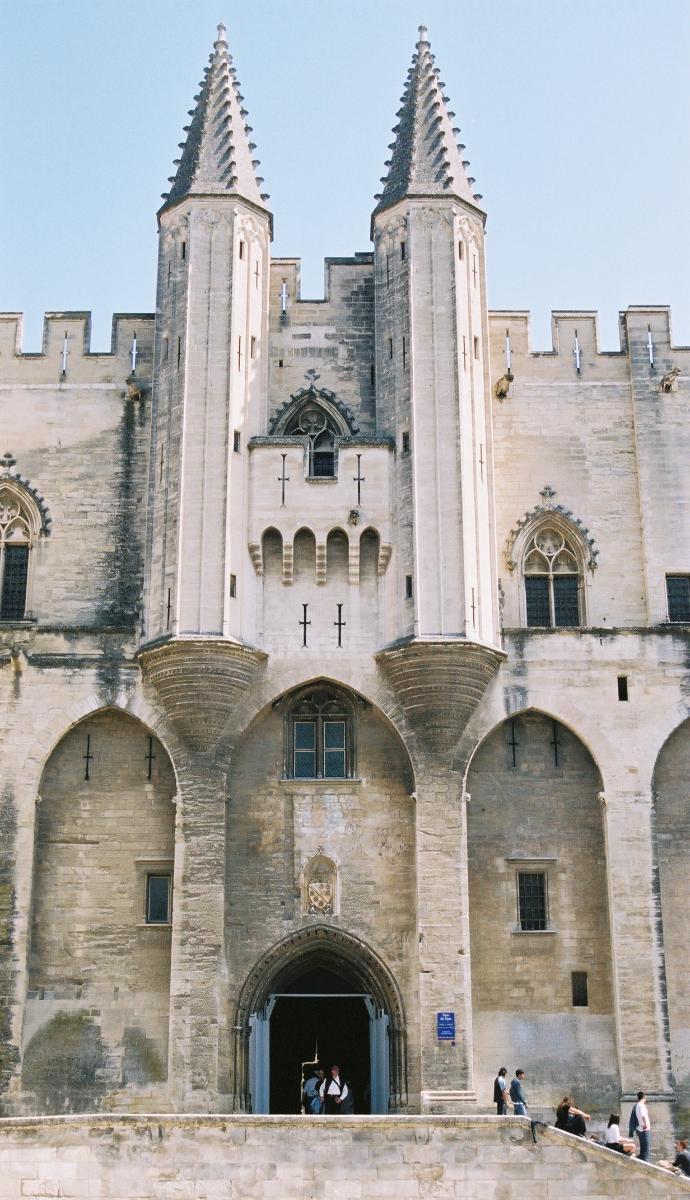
x=575, y=116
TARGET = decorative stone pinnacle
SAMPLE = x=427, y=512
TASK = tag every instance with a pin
x=423, y=35
x=6, y=462
x=222, y=34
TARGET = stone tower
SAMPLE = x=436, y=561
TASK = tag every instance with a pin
x=432, y=370
x=210, y=368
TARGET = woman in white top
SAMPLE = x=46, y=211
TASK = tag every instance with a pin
x=613, y=1134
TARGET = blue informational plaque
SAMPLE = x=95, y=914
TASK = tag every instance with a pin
x=445, y=1026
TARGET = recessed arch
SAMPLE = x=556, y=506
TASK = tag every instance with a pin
x=468, y=750
x=538, y=904
x=102, y=897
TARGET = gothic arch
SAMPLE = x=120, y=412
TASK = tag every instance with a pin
x=468, y=749
x=548, y=513
x=325, y=946
x=341, y=419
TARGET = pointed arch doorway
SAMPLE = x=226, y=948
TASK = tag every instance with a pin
x=322, y=997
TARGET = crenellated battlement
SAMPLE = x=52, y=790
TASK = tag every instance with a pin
x=645, y=333
x=66, y=356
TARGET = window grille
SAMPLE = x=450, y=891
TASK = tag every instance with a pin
x=552, y=581
x=158, y=896
x=532, y=914
x=678, y=593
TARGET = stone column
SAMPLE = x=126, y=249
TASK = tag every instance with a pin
x=443, y=930
x=639, y=977
x=197, y=935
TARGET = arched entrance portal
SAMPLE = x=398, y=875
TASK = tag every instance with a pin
x=322, y=996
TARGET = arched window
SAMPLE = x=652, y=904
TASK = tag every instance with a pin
x=17, y=526
x=552, y=579
x=313, y=423
x=320, y=736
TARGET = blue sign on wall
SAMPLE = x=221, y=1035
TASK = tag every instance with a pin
x=445, y=1026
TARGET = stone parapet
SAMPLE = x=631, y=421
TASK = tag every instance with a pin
x=297, y=1158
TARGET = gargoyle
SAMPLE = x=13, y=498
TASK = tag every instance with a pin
x=503, y=385
x=667, y=381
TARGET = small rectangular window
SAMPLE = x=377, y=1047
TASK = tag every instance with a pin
x=158, y=894
x=183, y=250
x=236, y=441
x=403, y=250
x=406, y=441
x=280, y=362
x=390, y=347
x=461, y=250
x=252, y=347
x=579, y=986
x=408, y=587
x=622, y=687
x=678, y=592
x=304, y=750
x=233, y=587
x=334, y=750
x=565, y=602
x=241, y=249
x=531, y=901
x=476, y=347
x=14, y=579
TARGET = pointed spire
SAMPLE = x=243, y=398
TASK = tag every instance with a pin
x=217, y=156
x=425, y=159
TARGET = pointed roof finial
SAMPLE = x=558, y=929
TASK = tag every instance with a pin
x=217, y=157
x=425, y=159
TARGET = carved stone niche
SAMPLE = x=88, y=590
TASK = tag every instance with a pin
x=199, y=682
x=439, y=683
x=320, y=887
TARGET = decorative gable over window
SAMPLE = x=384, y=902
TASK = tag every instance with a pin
x=315, y=415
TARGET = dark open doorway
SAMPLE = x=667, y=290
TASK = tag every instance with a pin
x=320, y=1011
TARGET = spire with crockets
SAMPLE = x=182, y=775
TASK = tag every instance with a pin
x=217, y=154
x=426, y=160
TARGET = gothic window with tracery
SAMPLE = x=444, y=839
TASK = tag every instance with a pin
x=15, y=544
x=320, y=737
x=552, y=580
x=312, y=422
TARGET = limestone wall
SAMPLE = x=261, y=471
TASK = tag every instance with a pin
x=404, y=1158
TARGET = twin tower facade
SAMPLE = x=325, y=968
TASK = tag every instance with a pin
x=345, y=652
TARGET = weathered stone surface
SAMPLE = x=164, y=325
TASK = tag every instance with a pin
x=235, y=1158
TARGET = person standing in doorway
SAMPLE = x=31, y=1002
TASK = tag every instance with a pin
x=642, y=1126
x=517, y=1093
x=501, y=1098
x=311, y=1096
x=333, y=1092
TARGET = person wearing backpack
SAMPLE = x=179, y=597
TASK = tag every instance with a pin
x=501, y=1099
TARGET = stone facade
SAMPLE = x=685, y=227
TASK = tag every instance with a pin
x=275, y=647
